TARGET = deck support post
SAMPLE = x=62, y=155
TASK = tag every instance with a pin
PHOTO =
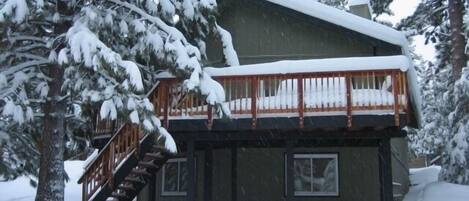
x=208, y=156
x=289, y=157
x=152, y=187
x=385, y=171
x=234, y=172
x=191, y=171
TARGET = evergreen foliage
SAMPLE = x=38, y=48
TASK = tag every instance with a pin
x=107, y=55
x=445, y=114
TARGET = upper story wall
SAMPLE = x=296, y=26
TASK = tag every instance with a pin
x=265, y=32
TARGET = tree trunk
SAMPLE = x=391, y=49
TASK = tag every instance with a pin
x=458, y=42
x=51, y=183
x=51, y=170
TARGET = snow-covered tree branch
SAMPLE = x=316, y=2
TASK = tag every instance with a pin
x=64, y=62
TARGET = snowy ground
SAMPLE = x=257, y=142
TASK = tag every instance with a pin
x=425, y=187
x=21, y=190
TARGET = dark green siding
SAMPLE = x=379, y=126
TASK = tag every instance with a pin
x=263, y=32
x=261, y=175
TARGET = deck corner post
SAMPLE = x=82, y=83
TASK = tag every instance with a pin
x=408, y=109
x=289, y=169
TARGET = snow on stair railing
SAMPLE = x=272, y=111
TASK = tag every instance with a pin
x=295, y=94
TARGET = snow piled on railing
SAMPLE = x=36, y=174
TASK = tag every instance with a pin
x=346, y=64
x=316, y=65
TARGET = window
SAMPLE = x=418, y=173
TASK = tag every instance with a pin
x=315, y=175
x=175, y=177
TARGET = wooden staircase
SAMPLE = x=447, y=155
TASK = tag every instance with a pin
x=124, y=165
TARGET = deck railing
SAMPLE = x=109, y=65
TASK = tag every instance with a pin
x=302, y=94
x=106, y=127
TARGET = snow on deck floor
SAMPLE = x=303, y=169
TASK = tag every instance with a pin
x=425, y=187
x=20, y=189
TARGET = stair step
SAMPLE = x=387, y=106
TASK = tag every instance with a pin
x=126, y=187
x=156, y=156
x=147, y=164
x=119, y=195
x=133, y=180
x=140, y=172
x=159, y=148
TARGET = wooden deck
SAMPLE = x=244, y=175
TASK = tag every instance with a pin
x=348, y=94
x=345, y=99
x=306, y=101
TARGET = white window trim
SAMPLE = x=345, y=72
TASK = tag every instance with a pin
x=173, y=193
x=315, y=156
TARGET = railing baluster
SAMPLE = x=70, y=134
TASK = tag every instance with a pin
x=261, y=94
x=246, y=82
x=229, y=93
x=395, y=95
x=292, y=96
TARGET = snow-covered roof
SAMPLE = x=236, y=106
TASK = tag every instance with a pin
x=345, y=19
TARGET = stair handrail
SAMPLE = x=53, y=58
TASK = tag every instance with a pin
x=106, y=170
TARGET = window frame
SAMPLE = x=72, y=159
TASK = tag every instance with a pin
x=178, y=192
x=311, y=157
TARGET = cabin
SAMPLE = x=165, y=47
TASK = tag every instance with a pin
x=318, y=106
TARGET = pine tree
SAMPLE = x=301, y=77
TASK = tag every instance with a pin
x=445, y=116
x=63, y=60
